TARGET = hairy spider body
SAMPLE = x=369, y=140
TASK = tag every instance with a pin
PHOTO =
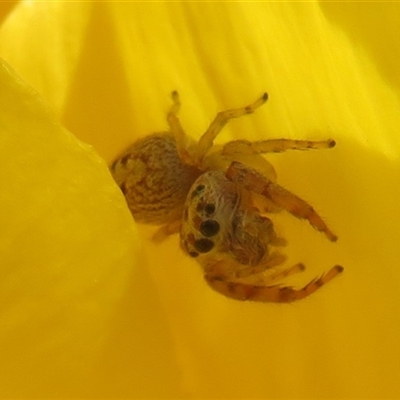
x=217, y=199
x=154, y=179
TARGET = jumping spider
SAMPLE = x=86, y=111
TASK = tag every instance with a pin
x=217, y=198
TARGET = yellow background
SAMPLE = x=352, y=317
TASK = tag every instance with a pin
x=89, y=307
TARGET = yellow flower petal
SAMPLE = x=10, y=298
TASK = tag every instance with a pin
x=112, y=85
x=68, y=254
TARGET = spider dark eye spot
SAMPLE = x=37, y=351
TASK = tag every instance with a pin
x=193, y=254
x=209, y=228
x=197, y=190
x=209, y=208
x=125, y=159
x=203, y=245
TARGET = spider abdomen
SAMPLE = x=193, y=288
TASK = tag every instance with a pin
x=154, y=179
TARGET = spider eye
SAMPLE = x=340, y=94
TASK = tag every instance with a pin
x=209, y=228
x=200, y=188
x=209, y=208
x=203, y=245
x=197, y=191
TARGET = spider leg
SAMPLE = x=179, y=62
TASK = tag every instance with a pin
x=273, y=146
x=272, y=261
x=228, y=270
x=276, y=294
x=254, y=181
x=272, y=276
x=182, y=140
x=207, y=139
x=295, y=269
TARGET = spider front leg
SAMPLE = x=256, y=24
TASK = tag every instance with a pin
x=273, y=260
x=254, y=181
x=295, y=269
x=276, y=294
